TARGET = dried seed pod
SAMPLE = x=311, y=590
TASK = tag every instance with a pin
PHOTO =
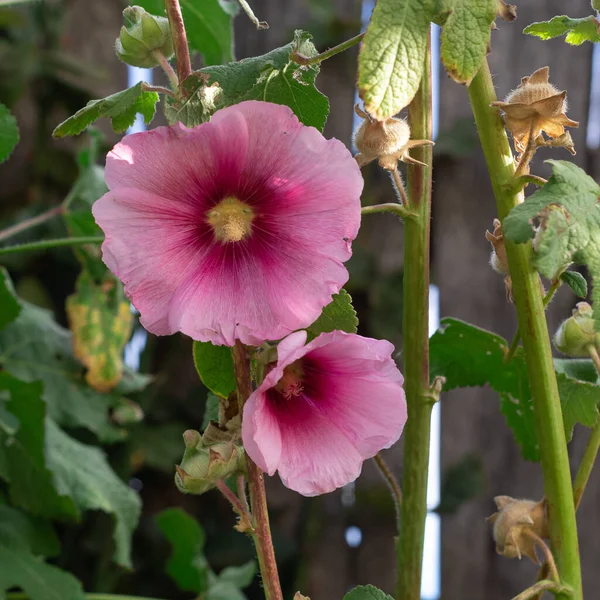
x=518, y=526
x=536, y=106
x=387, y=141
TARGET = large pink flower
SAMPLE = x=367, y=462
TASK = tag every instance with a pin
x=235, y=229
x=324, y=409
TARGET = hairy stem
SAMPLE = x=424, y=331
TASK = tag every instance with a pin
x=536, y=341
x=235, y=502
x=46, y=244
x=391, y=207
x=304, y=60
x=591, y=450
x=167, y=68
x=416, y=351
x=180, y=44
x=544, y=586
x=525, y=158
x=399, y=185
x=29, y=223
x=392, y=484
x=258, y=497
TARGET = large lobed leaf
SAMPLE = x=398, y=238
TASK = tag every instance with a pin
x=338, y=314
x=466, y=36
x=577, y=31
x=121, y=108
x=568, y=211
x=392, y=57
x=468, y=356
x=272, y=77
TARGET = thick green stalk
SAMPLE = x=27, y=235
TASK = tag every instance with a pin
x=536, y=341
x=415, y=331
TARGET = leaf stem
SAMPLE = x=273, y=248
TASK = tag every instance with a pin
x=410, y=542
x=525, y=158
x=258, y=497
x=544, y=586
x=392, y=484
x=591, y=450
x=304, y=60
x=235, y=502
x=248, y=10
x=167, y=68
x=391, y=207
x=536, y=341
x=180, y=44
x=46, y=244
x=29, y=223
x=159, y=89
x=399, y=185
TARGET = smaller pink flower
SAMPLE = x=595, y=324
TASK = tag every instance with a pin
x=324, y=408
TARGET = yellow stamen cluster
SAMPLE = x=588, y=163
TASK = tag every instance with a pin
x=231, y=220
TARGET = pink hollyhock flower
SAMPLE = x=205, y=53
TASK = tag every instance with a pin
x=324, y=409
x=235, y=229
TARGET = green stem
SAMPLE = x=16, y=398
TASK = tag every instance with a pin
x=29, y=223
x=556, y=283
x=46, y=244
x=304, y=60
x=256, y=484
x=20, y=596
x=591, y=450
x=416, y=351
x=389, y=207
x=536, y=341
x=180, y=44
x=392, y=484
x=167, y=68
x=544, y=586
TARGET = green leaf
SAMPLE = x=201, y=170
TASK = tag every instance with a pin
x=576, y=281
x=577, y=368
x=31, y=484
x=466, y=37
x=471, y=357
x=339, y=314
x=241, y=577
x=34, y=347
x=579, y=402
x=186, y=566
x=83, y=473
x=272, y=77
x=9, y=305
x=224, y=590
x=100, y=319
x=9, y=133
x=211, y=410
x=23, y=531
x=468, y=356
x=366, y=592
x=208, y=24
x=392, y=56
x=21, y=569
x=215, y=367
x=121, y=108
x=568, y=212
x=578, y=31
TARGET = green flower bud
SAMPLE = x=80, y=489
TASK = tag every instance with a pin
x=208, y=459
x=141, y=36
x=577, y=334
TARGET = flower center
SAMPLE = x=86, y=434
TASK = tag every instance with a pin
x=290, y=385
x=231, y=220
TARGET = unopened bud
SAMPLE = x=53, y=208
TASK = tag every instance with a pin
x=387, y=141
x=518, y=526
x=207, y=459
x=143, y=37
x=575, y=335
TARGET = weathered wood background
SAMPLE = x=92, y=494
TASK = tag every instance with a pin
x=469, y=289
